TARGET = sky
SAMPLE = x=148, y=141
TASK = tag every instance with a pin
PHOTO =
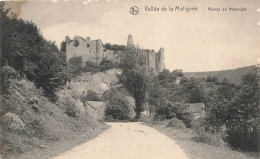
x=193, y=41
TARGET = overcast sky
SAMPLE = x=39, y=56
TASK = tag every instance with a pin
x=193, y=41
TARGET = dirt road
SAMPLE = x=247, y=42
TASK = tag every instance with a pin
x=127, y=141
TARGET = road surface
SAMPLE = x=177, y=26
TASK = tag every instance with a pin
x=127, y=141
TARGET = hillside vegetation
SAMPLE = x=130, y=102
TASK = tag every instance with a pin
x=234, y=75
x=30, y=121
x=34, y=115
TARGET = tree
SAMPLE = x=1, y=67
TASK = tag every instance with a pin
x=237, y=109
x=25, y=49
x=134, y=78
x=244, y=122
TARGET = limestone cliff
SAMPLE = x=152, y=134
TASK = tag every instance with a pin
x=94, y=50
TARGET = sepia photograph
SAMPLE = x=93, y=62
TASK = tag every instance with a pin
x=130, y=79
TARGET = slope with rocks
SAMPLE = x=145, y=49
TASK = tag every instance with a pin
x=99, y=82
x=31, y=123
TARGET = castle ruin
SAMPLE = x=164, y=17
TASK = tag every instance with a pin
x=94, y=50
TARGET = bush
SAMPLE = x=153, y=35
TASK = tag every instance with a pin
x=114, y=47
x=211, y=139
x=90, y=96
x=91, y=67
x=118, y=107
x=75, y=65
x=72, y=106
x=7, y=74
x=174, y=110
x=175, y=123
x=106, y=65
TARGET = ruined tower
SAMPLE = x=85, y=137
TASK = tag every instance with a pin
x=130, y=42
x=94, y=51
x=160, y=60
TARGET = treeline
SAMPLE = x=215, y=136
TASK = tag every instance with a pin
x=232, y=111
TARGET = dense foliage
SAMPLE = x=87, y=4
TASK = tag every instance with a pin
x=118, y=107
x=114, y=47
x=174, y=110
x=176, y=88
x=90, y=96
x=232, y=111
x=77, y=67
x=235, y=109
x=134, y=78
x=25, y=49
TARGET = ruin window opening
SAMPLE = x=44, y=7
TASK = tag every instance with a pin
x=87, y=45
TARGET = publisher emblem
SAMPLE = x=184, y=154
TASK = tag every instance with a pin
x=134, y=10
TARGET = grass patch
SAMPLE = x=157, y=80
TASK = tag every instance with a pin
x=206, y=147
x=210, y=139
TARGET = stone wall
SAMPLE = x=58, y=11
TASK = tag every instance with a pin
x=89, y=50
x=93, y=50
x=154, y=60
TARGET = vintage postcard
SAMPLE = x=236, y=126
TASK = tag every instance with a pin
x=130, y=79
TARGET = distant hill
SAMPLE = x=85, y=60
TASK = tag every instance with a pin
x=233, y=75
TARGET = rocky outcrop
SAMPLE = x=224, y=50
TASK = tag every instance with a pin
x=94, y=50
x=98, y=82
x=13, y=122
x=96, y=109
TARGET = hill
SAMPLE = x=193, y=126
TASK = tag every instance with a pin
x=30, y=122
x=233, y=75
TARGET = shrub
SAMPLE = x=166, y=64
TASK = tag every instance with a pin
x=36, y=128
x=72, y=106
x=175, y=123
x=7, y=74
x=106, y=65
x=118, y=107
x=91, y=66
x=208, y=138
x=174, y=110
x=90, y=96
x=75, y=65
x=114, y=47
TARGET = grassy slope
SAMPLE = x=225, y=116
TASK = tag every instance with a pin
x=197, y=150
x=47, y=127
x=233, y=76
